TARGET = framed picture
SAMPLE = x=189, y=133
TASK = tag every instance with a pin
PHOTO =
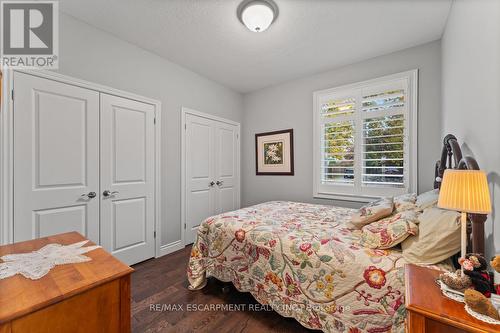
x=274, y=153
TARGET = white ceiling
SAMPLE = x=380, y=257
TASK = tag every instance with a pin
x=309, y=36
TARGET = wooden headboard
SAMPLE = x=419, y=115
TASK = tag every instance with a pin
x=451, y=158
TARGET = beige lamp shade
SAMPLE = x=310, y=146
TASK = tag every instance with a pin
x=465, y=191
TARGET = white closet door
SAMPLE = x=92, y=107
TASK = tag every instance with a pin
x=127, y=178
x=200, y=172
x=227, y=192
x=56, y=159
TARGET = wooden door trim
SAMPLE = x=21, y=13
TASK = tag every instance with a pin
x=185, y=111
x=7, y=147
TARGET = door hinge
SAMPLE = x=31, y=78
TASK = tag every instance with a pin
x=185, y=225
x=185, y=126
x=154, y=120
x=154, y=234
x=12, y=94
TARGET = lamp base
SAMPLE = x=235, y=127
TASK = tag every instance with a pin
x=463, y=250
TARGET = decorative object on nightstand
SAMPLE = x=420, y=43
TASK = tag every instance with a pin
x=430, y=312
x=481, y=307
x=481, y=301
x=475, y=266
x=465, y=191
x=36, y=264
x=495, y=264
x=473, y=274
x=454, y=282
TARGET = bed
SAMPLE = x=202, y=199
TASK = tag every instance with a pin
x=306, y=262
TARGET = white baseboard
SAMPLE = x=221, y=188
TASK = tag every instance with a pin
x=171, y=247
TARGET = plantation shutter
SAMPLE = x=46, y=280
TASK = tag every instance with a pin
x=337, y=141
x=384, y=135
x=363, y=133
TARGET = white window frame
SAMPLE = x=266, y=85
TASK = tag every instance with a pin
x=357, y=192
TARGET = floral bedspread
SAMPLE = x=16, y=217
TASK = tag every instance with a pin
x=305, y=262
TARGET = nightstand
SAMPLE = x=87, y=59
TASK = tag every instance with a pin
x=431, y=312
x=92, y=296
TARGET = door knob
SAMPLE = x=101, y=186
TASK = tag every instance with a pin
x=108, y=193
x=211, y=184
x=89, y=195
x=219, y=182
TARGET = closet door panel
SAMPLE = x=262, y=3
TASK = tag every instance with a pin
x=129, y=141
x=127, y=178
x=199, y=145
x=227, y=167
x=56, y=158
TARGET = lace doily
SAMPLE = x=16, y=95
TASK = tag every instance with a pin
x=481, y=317
x=36, y=264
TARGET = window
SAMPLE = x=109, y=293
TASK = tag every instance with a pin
x=365, y=139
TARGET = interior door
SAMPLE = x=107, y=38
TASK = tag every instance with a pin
x=199, y=173
x=211, y=161
x=227, y=193
x=56, y=159
x=127, y=178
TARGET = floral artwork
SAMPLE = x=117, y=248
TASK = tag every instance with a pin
x=306, y=262
x=273, y=153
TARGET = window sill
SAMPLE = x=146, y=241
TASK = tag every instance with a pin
x=345, y=197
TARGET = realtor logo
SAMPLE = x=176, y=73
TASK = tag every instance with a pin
x=29, y=34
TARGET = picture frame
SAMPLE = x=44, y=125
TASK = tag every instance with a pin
x=274, y=153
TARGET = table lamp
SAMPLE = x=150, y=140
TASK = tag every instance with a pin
x=465, y=191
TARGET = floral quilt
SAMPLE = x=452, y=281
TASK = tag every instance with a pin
x=305, y=262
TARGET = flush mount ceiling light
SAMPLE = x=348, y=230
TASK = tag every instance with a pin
x=257, y=15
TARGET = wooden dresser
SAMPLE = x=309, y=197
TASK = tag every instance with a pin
x=431, y=312
x=87, y=297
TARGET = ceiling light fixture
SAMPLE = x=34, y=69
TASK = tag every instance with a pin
x=257, y=15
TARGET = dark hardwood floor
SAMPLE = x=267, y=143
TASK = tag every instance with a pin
x=162, y=283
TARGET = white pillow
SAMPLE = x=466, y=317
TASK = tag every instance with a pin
x=438, y=237
x=404, y=202
x=427, y=199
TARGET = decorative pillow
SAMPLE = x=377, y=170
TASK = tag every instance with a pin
x=389, y=231
x=427, y=199
x=404, y=202
x=438, y=237
x=372, y=212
